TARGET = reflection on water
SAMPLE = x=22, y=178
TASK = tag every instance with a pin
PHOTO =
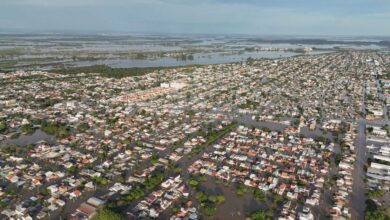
x=38, y=135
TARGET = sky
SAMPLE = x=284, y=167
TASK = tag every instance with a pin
x=249, y=17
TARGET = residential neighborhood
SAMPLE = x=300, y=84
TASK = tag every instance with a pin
x=301, y=137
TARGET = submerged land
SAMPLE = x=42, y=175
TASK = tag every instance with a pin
x=101, y=127
x=54, y=51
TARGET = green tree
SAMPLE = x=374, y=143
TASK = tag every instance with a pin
x=193, y=183
x=220, y=199
x=261, y=215
x=106, y=214
x=209, y=210
x=375, y=215
x=3, y=126
x=376, y=193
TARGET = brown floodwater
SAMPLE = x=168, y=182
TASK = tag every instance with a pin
x=38, y=135
x=235, y=206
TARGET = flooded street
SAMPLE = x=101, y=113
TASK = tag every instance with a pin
x=358, y=198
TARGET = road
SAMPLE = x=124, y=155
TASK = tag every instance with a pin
x=358, y=196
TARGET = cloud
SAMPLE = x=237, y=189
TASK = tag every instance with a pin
x=200, y=16
x=74, y=3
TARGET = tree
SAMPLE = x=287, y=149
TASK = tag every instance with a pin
x=83, y=127
x=45, y=192
x=220, y=199
x=3, y=204
x=375, y=215
x=193, y=183
x=3, y=126
x=261, y=215
x=101, y=180
x=126, y=142
x=259, y=195
x=188, y=95
x=154, y=159
x=202, y=178
x=171, y=125
x=55, y=128
x=72, y=170
x=106, y=214
x=201, y=196
x=209, y=210
x=338, y=158
x=241, y=189
x=27, y=128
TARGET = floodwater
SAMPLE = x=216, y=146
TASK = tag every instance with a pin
x=38, y=135
x=358, y=196
x=235, y=206
x=248, y=121
x=199, y=59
